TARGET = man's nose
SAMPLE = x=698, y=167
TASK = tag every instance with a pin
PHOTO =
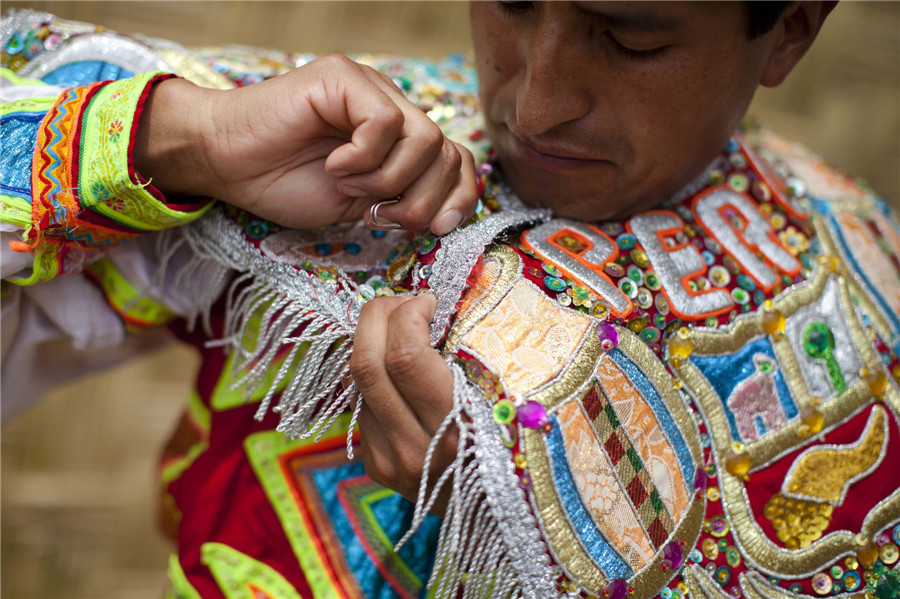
x=554, y=90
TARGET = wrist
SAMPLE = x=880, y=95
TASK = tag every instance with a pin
x=168, y=149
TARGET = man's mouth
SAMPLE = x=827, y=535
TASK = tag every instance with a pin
x=549, y=156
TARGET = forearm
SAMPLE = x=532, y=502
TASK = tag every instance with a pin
x=168, y=149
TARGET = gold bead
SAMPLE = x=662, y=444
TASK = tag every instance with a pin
x=812, y=418
x=773, y=322
x=877, y=382
x=520, y=461
x=866, y=553
x=680, y=345
x=737, y=463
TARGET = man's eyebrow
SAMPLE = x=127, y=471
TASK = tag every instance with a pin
x=645, y=22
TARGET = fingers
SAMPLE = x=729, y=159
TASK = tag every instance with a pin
x=407, y=389
x=402, y=152
x=418, y=372
x=369, y=370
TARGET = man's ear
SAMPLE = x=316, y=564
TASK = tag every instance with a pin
x=794, y=34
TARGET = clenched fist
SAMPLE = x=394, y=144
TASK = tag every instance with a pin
x=312, y=147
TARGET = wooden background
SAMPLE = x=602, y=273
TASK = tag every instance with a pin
x=78, y=480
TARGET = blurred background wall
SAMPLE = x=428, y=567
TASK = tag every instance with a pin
x=78, y=486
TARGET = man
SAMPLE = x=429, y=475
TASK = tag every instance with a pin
x=576, y=466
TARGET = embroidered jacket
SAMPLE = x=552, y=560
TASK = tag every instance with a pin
x=696, y=401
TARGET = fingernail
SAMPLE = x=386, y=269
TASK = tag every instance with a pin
x=446, y=222
x=353, y=192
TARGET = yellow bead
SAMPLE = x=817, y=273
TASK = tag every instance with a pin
x=737, y=463
x=773, y=322
x=866, y=553
x=680, y=345
x=520, y=461
x=877, y=382
x=812, y=418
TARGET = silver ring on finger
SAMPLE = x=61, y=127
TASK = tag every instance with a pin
x=377, y=223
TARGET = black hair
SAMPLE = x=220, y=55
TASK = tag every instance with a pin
x=763, y=16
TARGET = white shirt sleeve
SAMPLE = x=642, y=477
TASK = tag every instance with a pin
x=64, y=328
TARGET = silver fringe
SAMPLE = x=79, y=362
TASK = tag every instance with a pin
x=458, y=254
x=489, y=543
x=325, y=313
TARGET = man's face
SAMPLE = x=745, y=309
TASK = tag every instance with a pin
x=602, y=109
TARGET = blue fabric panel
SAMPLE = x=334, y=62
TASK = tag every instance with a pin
x=725, y=372
x=648, y=390
x=394, y=515
x=18, y=136
x=597, y=546
x=85, y=72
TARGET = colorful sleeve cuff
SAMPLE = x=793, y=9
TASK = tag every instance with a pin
x=85, y=195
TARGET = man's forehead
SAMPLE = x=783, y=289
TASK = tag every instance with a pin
x=654, y=16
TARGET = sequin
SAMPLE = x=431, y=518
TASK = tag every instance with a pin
x=554, y=283
x=650, y=335
x=719, y=276
x=662, y=304
x=628, y=287
x=635, y=274
x=713, y=494
x=851, y=580
x=746, y=282
x=257, y=229
x=637, y=324
x=695, y=556
x=708, y=257
x=352, y=248
x=611, y=229
x=710, y=548
x=651, y=281
x=761, y=191
x=821, y=583
x=564, y=299
x=614, y=270
x=738, y=182
x=626, y=241
x=504, y=411
x=644, y=298
x=718, y=525
x=723, y=575
x=731, y=264
x=836, y=572
x=639, y=257
x=889, y=553
x=424, y=271
x=426, y=245
x=551, y=270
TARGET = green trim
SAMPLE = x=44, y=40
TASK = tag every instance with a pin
x=43, y=104
x=235, y=572
x=173, y=469
x=106, y=129
x=181, y=588
x=132, y=304
x=264, y=449
x=226, y=398
x=15, y=211
x=15, y=79
x=198, y=411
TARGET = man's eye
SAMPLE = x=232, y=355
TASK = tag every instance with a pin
x=633, y=52
x=514, y=8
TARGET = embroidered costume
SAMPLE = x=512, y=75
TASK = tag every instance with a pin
x=696, y=401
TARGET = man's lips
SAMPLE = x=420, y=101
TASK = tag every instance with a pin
x=551, y=157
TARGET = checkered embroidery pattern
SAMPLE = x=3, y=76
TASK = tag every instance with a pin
x=628, y=465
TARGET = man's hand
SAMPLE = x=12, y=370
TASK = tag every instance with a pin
x=312, y=147
x=408, y=390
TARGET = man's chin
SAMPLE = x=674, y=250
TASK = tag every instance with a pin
x=581, y=203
